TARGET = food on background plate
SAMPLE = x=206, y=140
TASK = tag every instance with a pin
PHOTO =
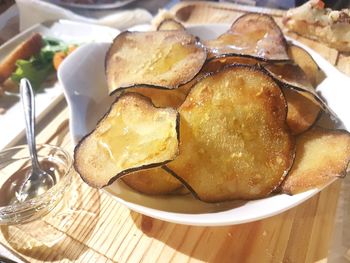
x=25, y=50
x=239, y=114
x=234, y=141
x=321, y=156
x=32, y=59
x=39, y=67
x=61, y=55
x=313, y=20
x=164, y=59
x=251, y=34
x=133, y=135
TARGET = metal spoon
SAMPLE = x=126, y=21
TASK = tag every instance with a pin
x=37, y=180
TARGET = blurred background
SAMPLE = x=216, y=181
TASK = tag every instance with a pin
x=96, y=7
x=285, y=4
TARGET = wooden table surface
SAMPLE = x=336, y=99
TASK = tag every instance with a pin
x=88, y=225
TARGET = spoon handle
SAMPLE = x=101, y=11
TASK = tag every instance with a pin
x=27, y=98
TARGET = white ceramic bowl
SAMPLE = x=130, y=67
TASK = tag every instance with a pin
x=83, y=79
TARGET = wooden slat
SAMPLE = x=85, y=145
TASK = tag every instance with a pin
x=88, y=225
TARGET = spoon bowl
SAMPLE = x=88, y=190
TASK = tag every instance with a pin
x=37, y=180
x=36, y=183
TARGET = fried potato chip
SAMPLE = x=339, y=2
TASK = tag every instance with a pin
x=162, y=97
x=303, y=108
x=133, y=135
x=170, y=24
x=293, y=77
x=217, y=63
x=305, y=61
x=302, y=112
x=155, y=181
x=304, y=105
x=251, y=34
x=234, y=141
x=161, y=58
x=321, y=156
x=290, y=74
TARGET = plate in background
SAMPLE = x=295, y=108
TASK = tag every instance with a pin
x=12, y=120
x=97, y=4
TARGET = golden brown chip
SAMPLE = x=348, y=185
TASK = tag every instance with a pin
x=133, y=135
x=290, y=74
x=293, y=77
x=162, y=97
x=217, y=63
x=303, y=108
x=160, y=58
x=302, y=112
x=155, y=181
x=234, y=141
x=321, y=156
x=170, y=24
x=251, y=34
x=307, y=64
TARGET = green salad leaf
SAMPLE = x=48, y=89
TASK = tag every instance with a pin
x=34, y=70
x=39, y=67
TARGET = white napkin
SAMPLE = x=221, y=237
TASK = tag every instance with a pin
x=32, y=12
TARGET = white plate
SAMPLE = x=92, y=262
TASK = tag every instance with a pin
x=82, y=76
x=51, y=93
x=99, y=5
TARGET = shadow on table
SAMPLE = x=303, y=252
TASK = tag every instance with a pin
x=60, y=234
x=207, y=244
x=280, y=238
